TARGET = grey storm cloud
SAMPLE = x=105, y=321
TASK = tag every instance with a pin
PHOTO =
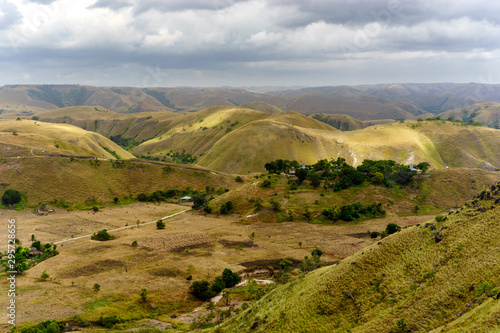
x=9, y=15
x=283, y=41
x=180, y=5
x=402, y=12
x=112, y=4
x=42, y=2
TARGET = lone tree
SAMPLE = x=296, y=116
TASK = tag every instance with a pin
x=11, y=197
x=160, y=224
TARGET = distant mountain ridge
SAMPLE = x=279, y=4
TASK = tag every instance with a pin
x=364, y=102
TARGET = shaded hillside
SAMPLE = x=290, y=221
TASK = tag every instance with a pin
x=46, y=179
x=340, y=121
x=261, y=106
x=487, y=114
x=32, y=138
x=136, y=126
x=360, y=107
x=441, y=276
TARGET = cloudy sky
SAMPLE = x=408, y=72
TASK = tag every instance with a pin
x=248, y=42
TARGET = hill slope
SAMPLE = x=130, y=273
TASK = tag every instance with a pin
x=250, y=147
x=487, y=114
x=31, y=138
x=422, y=278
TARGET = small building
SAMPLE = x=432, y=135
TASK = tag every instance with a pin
x=186, y=198
x=292, y=171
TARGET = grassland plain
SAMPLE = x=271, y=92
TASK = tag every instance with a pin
x=435, y=276
x=160, y=261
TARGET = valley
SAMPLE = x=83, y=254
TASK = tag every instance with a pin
x=140, y=196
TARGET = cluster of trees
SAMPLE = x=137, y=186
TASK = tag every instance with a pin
x=280, y=166
x=339, y=175
x=182, y=157
x=160, y=195
x=21, y=259
x=204, y=291
x=353, y=212
x=49, y=326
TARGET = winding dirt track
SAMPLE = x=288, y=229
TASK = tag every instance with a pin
x=163, y=218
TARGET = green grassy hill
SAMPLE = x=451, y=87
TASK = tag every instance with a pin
x=435, y=276
x=32, y=138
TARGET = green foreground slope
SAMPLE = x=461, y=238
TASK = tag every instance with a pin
x=432, y=276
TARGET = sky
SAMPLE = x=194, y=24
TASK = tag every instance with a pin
x=168, y=43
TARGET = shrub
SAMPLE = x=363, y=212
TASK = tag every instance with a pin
x=383, y=234
x=189, y=277
x=97, y=287
x=218, y=285
x=487, y=289
x=37, y=245
x=439, y=218
x=199, y=201
x=160, y=224
x=108, y=321
x=207, y=209
x=230, y=279
x=266, y=184
x=95, y=208
x=11, y=197
x=317, y=253
x=44, y=276
x=285, y=264
x=374, y=234
x=226, y=208
x=275, y=204
x=134, y=243
x=102, y=235
x=392, y=228
x=143, y=197
x=115, y=200
x=238, y=179
x=144, y=295
x=201, y=290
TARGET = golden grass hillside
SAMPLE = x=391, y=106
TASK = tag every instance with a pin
x=44, y=179
x=32, y=138
x=442, y=276
x=240, y=140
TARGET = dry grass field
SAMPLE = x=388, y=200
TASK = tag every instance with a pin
x=160, y=262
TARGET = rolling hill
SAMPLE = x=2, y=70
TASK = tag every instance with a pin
x=438, y=276
x=240, y=140
x=32, y=138
x=487, y=114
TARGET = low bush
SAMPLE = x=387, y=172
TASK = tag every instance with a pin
x=102, y=235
